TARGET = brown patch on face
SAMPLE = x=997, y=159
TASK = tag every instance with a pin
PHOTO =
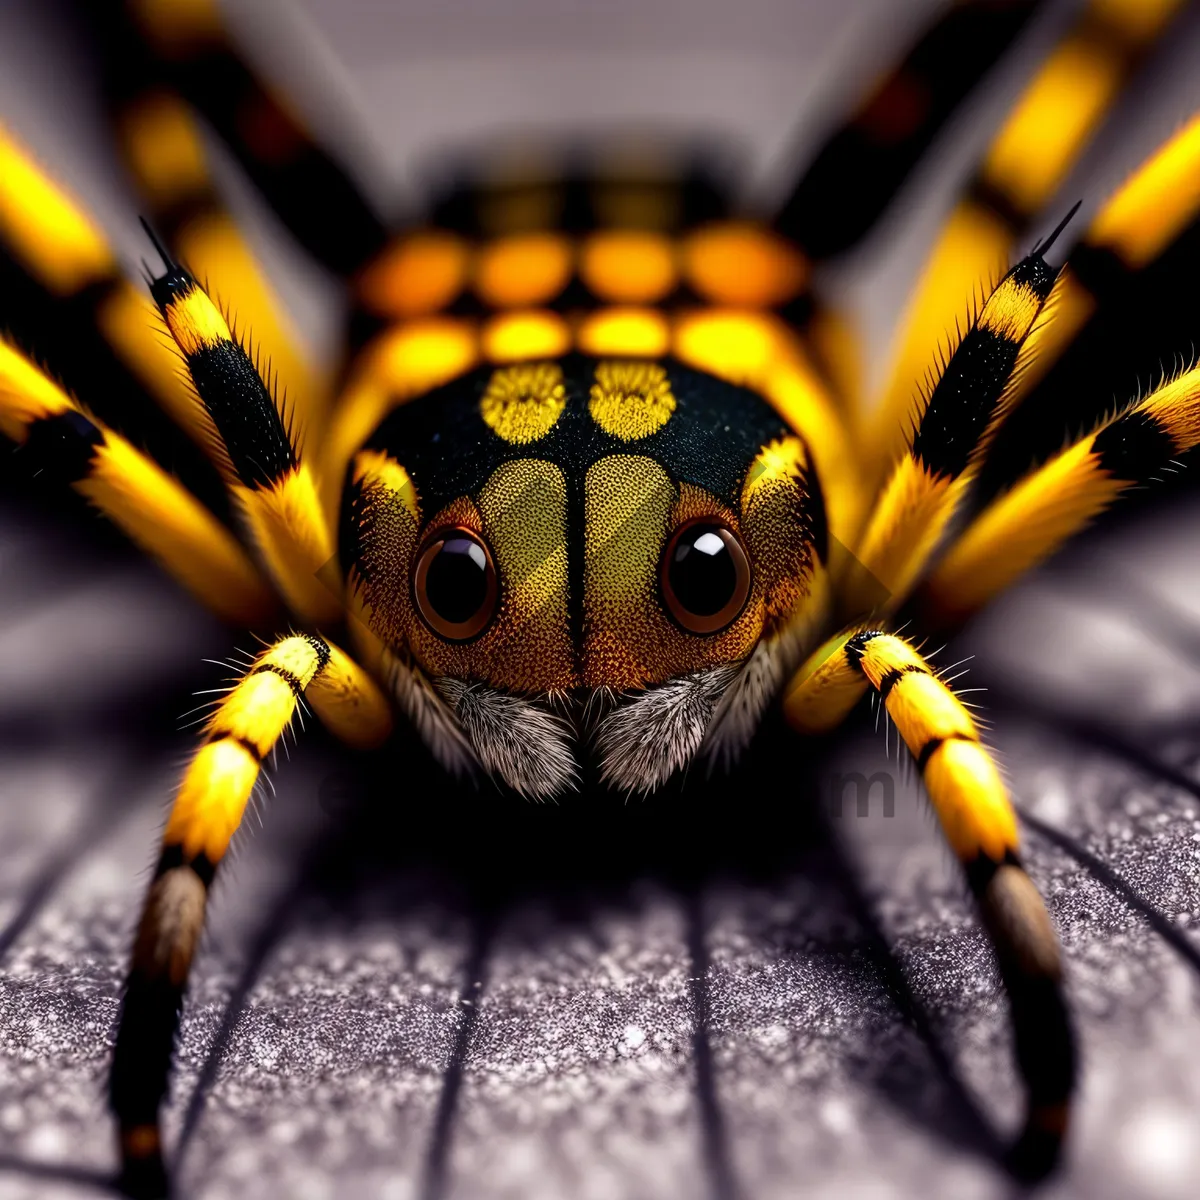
x=631, y=507
x=521, y=515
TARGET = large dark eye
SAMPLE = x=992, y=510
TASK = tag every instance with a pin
x=705, y=576
x=455, y=585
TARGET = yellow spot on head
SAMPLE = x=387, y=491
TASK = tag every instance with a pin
x=628, y=265
x=738, y=263
x=195, y=321
x=525, y=335
x=634, y=331
x=782, y=459
x=416, y=274
x=521, y=404
x=526, y=268
x=631, y=400
x=377, y=467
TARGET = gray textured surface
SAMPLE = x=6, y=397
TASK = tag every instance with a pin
x=360, y=1034
x=759, y=1037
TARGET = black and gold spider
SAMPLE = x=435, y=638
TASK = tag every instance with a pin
x=596, y=488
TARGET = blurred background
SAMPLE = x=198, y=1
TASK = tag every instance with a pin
x=408, y=991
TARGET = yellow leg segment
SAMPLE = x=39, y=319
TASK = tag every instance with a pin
x=964, y=409
x=207, y=811
x=1031, y=155
x=971, y=250
x=163, y=150
x=1053, y=503
x=192, y=45
x=255, y=448
x=1134, y=227
x=137, y=495
x=55, y=240
x=972, y=806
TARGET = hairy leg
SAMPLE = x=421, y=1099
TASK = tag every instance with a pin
x=207, y=811
x=971, y=803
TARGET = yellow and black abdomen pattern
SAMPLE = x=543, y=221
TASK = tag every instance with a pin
x=575, y=471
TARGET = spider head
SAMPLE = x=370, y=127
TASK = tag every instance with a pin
x=584, y=552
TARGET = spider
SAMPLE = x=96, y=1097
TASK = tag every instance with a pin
x=595, y=488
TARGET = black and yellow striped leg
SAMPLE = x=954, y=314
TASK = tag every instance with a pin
x=1030, y=156
x=1054, y=502
x=64, y=298
x=971, y=803
x=861, y=167
x=190, y=47
x=960, y=416
x=59, y=440
x=207, y=811
x=254, y=446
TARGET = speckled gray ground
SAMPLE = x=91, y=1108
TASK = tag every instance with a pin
x=832, y=1028
x=726, y=1001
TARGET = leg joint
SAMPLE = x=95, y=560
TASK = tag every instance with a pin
x=934, y=744
x=856, y=647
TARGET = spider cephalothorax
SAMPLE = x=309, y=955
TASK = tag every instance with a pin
x=581, y=527
x=597, y=480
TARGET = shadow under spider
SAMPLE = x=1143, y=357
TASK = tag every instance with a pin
x=481, y=854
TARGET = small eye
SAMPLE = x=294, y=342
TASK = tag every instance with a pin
x=705, y=576
x=455, y=584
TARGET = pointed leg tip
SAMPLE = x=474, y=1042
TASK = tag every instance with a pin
x=144, y=1180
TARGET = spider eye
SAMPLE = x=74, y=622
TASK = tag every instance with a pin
x=455, y=585
x=705, y=576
